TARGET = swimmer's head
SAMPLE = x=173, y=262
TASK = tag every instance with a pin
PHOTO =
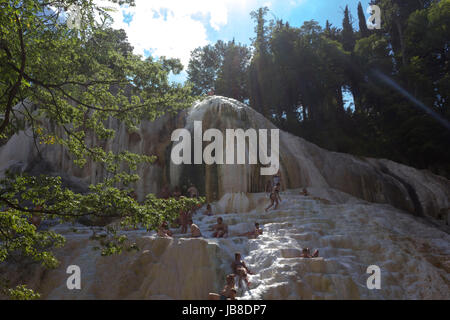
x=219, y=220
x=305, y=250
x=237, y=256
x=278, y=184
x=190, y=221
x=256, y=224
x=208, y=206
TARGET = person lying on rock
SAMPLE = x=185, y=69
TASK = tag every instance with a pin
x=252, y=234
x=274, y=197
x=226, y=292
x=220, y=229
x=195, y=230
x=163, y=230
x=240, y=269
x=306, y=253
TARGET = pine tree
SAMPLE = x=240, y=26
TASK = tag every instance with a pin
x=364, y=31
x=348, y=39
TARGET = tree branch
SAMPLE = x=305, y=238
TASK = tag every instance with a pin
x=15, y=88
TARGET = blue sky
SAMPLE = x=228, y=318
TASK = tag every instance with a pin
x=174, y=28
x=241, y=26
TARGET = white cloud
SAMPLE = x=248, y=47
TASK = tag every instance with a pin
x=167, y=27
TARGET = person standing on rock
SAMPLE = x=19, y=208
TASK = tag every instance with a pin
x=275, y=197
x=276, y=179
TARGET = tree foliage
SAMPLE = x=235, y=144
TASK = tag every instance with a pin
x=324, y=84
x=73, y=81
x=221, y=67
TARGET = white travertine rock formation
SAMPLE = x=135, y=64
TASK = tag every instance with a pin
x=302, y=164
x=413, y=256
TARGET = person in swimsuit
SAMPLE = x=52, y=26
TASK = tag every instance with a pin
x=240, y=269
x=195, y=230
x=208, y=211
x=275, y=197
x=220, y=229
x=276, y=178
x=306, y=253
x=252, y=234
x=164, y=231
x=226, y=292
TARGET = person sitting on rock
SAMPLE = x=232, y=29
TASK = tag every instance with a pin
x=252, y=234
x=208, y=211
x=220, y=229
x=306, y=253
x=274, y=197
x=195, y=230
x=233, y=293
x=163, y=230
x=240, y=269
x=226, y=292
